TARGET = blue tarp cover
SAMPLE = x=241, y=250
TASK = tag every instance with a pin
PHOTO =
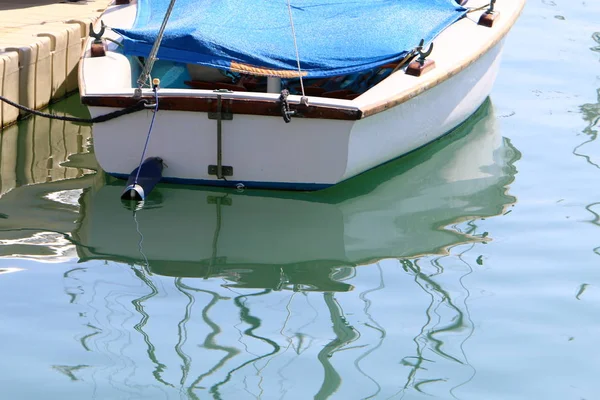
x=334, y=37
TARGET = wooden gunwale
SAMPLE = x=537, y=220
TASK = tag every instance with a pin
x=434, y=80
x=230, y=105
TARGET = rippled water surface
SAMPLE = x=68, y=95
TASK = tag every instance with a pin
x=469, y=269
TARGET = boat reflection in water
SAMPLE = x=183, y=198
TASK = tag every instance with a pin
x=399, y=210
x=258, y=294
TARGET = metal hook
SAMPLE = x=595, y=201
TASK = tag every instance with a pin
x=285, y=106
x=97, y=36
x=423, y=55
x=491, y=9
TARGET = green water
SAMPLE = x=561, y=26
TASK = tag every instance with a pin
x=467, y=270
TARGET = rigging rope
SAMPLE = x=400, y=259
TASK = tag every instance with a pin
x=296, y=47
x=152, y=57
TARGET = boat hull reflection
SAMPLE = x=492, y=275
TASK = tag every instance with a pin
x=403, y=209
x=254, y=323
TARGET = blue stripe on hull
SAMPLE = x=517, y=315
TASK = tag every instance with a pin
x=234, y=183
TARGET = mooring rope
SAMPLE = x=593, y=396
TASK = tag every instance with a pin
x=140, y=105
x=155, y=89
x=296, y=47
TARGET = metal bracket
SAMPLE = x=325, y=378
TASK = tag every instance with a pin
x=214, y=261
x=488, y=17
x=420, y=66
x=286, y=111
x=226, y=170
x=225, y=116
x=97, y=35
x=220, y=170
x=423, y=55
x=222, y=200
x=98, y=48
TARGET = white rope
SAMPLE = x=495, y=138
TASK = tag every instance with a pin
x=296, y=47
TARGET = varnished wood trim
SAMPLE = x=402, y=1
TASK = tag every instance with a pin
x=235, y=106
x=415, y=68
x=427, y=84
x=487, y=19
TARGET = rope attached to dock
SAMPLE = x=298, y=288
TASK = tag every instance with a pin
x=140, y=105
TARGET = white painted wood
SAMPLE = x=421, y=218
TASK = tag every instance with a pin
x=424, y=118
x=97, y=75
x=465, y=178
x=401, y=113
x=261, y=149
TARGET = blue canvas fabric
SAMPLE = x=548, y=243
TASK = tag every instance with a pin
x=334, y=37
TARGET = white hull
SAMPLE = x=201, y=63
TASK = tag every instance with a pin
x=401, y=210
x=399, y=115
x=404, y=209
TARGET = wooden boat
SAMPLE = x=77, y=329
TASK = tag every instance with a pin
x=407, y=208
x=222, y=121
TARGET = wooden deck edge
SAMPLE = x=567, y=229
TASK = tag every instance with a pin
x=234, y=106
x=427, y=84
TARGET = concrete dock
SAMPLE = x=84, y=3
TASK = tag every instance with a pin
x=40, y=46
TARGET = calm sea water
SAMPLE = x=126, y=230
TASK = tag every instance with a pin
x=467, y=270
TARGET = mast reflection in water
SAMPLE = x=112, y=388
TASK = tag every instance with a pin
x=352, y=292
